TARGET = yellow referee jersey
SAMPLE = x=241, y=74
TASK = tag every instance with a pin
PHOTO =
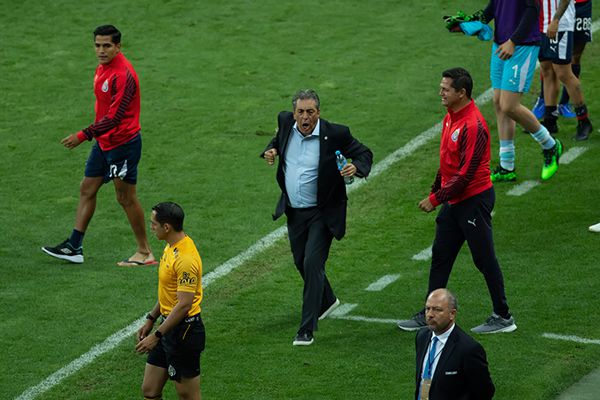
x=180, y=270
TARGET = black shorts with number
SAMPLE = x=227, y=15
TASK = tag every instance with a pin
x=559, y=50
x=179, y=349
x=583, y=22
x=120, y=162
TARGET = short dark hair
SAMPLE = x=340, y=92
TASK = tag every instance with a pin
x=461, y=79
x=452, y=300
x=304, y=94
x=108, y=30
x=169, y=213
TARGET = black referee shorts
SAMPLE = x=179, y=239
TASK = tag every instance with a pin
x=179, y=349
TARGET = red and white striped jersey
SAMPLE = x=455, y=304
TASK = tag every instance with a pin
x=547, y=11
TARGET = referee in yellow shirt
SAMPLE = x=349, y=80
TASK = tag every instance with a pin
x=174, y=348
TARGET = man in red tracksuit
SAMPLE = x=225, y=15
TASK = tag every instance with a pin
x=464, y=189
x=115, y=154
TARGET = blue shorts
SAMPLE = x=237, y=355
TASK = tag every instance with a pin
x=120, y=162
x=516, y=73
x=583, y=22
x=559, y=50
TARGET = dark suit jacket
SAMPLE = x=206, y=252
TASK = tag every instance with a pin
x=462, y=369
x=331, y=190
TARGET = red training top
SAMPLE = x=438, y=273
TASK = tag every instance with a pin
x=117, y=106
x=464, y=157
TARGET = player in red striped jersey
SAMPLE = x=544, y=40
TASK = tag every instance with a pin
x=115, y=154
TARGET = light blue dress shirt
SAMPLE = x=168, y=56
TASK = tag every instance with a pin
x=442, y=339
x=301, y=167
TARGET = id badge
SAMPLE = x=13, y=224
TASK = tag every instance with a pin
x=425, y=386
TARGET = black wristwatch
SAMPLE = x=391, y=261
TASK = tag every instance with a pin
x=150, y=317
x=158, y=334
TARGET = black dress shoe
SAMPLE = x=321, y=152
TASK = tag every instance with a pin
x=303, y=339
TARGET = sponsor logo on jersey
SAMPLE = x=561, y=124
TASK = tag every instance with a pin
x=187, y=279
x=455, y=134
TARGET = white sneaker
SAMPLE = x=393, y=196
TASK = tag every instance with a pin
x=595, y=228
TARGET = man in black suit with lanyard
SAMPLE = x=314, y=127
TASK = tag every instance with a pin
x=313, y=196
x=451, y=365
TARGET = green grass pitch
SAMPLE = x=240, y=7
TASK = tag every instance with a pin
x=213, y=77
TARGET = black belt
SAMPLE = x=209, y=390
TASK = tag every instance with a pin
x=187, y=320
x=194, y=318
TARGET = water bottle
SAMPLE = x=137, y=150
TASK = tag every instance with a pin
x=341, y=161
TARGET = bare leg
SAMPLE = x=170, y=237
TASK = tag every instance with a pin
x=510, y=104
x=88, y=189
x=154, y=381
x=506, y=125
x=551, y=84
x=568, y=78
x=127, y=198
x=578, y=49
x=189, y=388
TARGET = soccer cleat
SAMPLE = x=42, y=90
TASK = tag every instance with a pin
x=329, y=310
x=65, y=251
x=565, y=110
x=496, y=324
x=303, y=339
x=539, y=108
x=551, y=159
x=584, y=129
x=415, y=323
x=503, y=175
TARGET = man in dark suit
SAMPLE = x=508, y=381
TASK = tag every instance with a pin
x=313, y=196
x=450, y=364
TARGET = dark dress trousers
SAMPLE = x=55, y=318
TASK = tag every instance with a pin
x=312, y=230
x=462, y=371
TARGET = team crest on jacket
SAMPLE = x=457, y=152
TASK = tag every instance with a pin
x=105, y=86
x=455, y=134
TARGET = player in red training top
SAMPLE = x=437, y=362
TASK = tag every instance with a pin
x=116, y=152
x=464, y=188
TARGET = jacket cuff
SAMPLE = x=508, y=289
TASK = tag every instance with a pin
x=82, y=136
x=433, y=200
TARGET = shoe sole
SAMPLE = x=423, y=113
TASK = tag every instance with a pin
x=78, y=259
x=330, y=309
x=302, y=343
x=506, y=329
x=504, y=180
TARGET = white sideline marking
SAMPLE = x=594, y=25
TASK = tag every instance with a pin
x=115, y=339
x=572, y=154
x=382, y=282
x=423, y=255
x=571, y=338
x=368, y=319
x=342, y=313
x=522, y=188
x=110, y=343
x=342, y=310
x=233, y=263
